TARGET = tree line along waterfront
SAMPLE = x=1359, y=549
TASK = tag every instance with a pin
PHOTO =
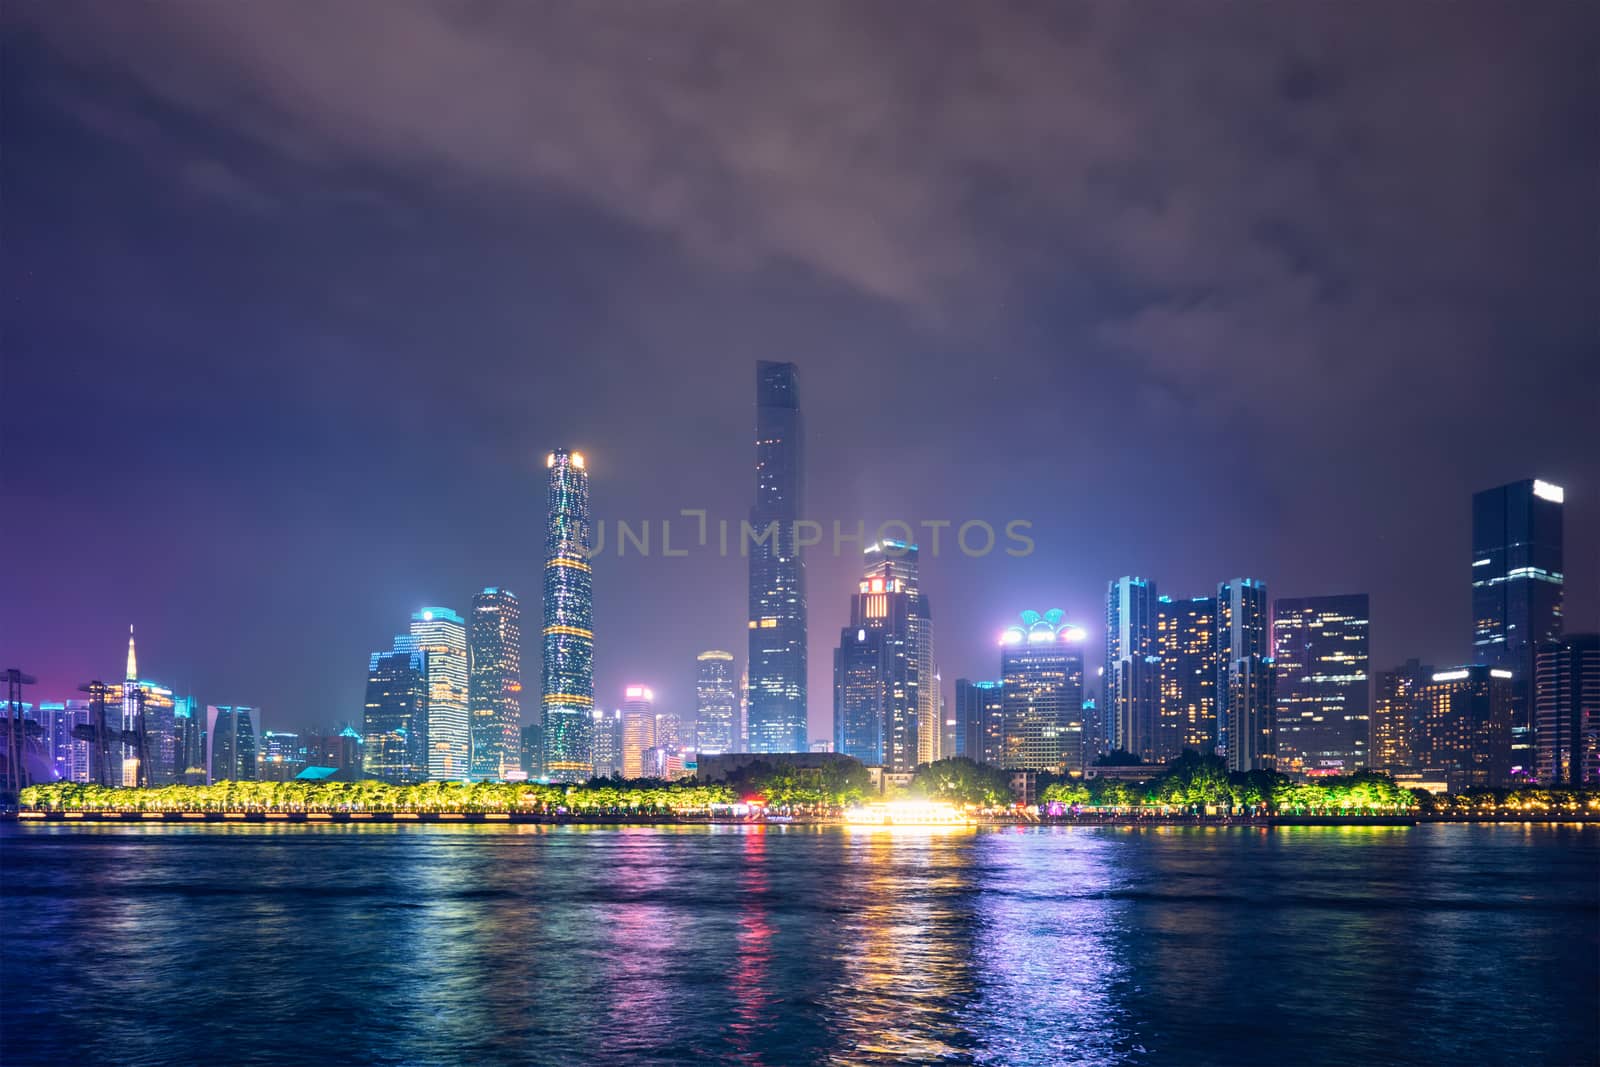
x=1190, y=785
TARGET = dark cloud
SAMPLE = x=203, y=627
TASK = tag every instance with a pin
x=1336, y=259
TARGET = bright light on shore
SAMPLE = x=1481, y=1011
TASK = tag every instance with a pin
x=907, y=813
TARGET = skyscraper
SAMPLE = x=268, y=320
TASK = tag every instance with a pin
x=1041, y=677
x=157, y=707
x=232, y=730
x=1466, y=726
x=133, y=769
x=638, y=729
x=1398, y=709
x=716, y=725
x=777, y=661
x=1186, y=635
x=1516, y=580
x=395, y=720
x=494, y=686
x=980, y=721
x=1129, y=716
x=442, y=635
x=1245, y=729
x=568, y=694
x=885, y=698
x=1566, y=701
x=1322, y=690
x=607, y=743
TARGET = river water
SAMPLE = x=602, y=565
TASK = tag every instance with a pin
x=419, y=944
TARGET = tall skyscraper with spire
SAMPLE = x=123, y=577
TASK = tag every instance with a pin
x=777, y=662
x=132, y=719
x=494, y=688
x=567, y=703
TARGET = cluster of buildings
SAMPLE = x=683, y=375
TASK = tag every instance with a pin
x=1281, y=685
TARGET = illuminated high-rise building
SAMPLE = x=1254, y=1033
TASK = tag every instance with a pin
x=1186, y=637
x=1516, y=580
x=1129, y=712
x=744, y=710
x=189, y=726
x=494, y=685
x=886, y=709
x=980, y=721
x=777, y=660
x=716, y=720
x=157, y=706
x=68, y=755
x=1246, y=736
x=395, y=722
x=1398, y=709
x=442, y=635
x=1466, y=726
x=607, y=743
x=1323, y=689
x=567, y=700
x=638, y=729
x=132, y=774
x=231, y=729
x=1566, y=705
x=1041, y=678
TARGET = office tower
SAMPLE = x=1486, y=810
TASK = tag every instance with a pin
x=158, y=708
x=132, y=772
x=1516, y=580
x=1322, y=690
x=1245, y=733
x=189, y=726
x=1466, y=726
x=232, y=730
x=1186, y=637
x=716, y=719
x=1041, y=678
x=607, y=743
x=533, y=750
x=395, y=722
x=282, y=756
x=883, y=712
x=1566, y=701
x=980, y=721
x=68, y=755
x=744, y=710
x=442, y=635
x=567, y=702
x=1398, y=709
x=1129, y=716
x=340, y=751
x=777, y=661
x=638, y=729
x=494, y=684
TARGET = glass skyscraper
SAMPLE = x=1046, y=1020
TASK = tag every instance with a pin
x=494, y=687
x=1245, y=731
x=1466, y=726
x=395, y=722
x=777, y=660
x=567, y=700
x=1516, y=580
x=980, y=721
x=1041, y=680
x=232, y=731
x=1323, y=687
x=1186, y=637
x=638, y=729
x=716, y=725
x=886, y=700
x=442, y=635
x=1129, y=712
x=1566, y=703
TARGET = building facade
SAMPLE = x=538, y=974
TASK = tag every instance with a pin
x=567, y=700
x=607, y=743
x=716, y=715
x=494, y=684
x=1566, y=702
x=1466, y=726
x=1516, y=580
x=395, y=718
x=1246, y=736
x=1186, y=639
x=1041, y=677
x=777, y=617
x=232, y=730
x=980, y=721
x=1323, y=687
x=638, y=729
x=441, y=635
x=1128, y=715
x=1398, y=710
x=886, y=699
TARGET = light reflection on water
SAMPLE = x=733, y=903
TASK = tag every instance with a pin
x=435, y=944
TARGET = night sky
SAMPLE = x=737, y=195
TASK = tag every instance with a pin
x=297, y=296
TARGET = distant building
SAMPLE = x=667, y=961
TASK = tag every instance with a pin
x=189, y=726
x=158, y=707
x=980, y=721
x=1516, y=579
x=777, y=660
x=68, y=755
x=638, y=729
x=1323, y=688
x=1246, y=732
x=395, y=720
x=494, y=684
x=716, y=719
x=607, y=743
x=1398, y=709
x=442, y=635
x=1566, y=701
x=860, y=694
x=340, y=751
x=533, y=750
x=1186, y=638
x=232, y=730
x=1129, y=716
x=744, y=711
x=1041, y=675
x=1466, y=726
x=734, y=764
x=896, y=564
x=821, y=745
x=282, y=756
x=568, y=692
